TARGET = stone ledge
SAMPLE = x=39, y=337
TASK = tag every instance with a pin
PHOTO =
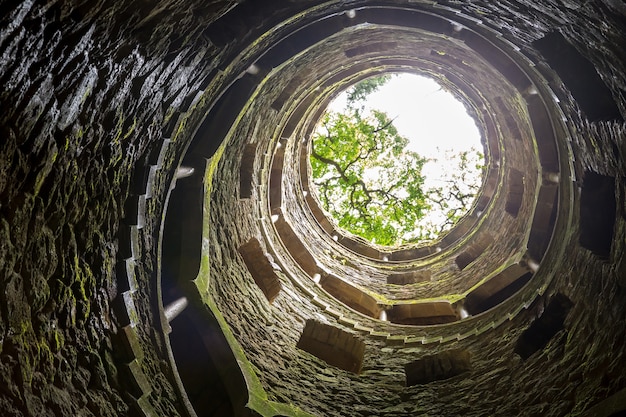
x=260, y=268
x=139, y=385
x=129, y=242
x=143, y=408
x=124, y=305
x=332, y=345
x=125, y=273
x=437, y=367
x=128, y=338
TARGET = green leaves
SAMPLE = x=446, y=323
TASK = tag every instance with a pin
x=373, y=186
x=366, y=178
x=359, y=92
x=453, y=198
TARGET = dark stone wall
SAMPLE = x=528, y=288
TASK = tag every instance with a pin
x=89, y=90
x=565, y=378
x=100, y=101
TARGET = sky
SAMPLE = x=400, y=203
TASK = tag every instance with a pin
x=431, y=118
x=424, y=113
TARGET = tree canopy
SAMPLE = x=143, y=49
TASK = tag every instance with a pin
x=455, y=193
x=371, y=184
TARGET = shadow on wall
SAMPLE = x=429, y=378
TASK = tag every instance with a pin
x=544, y=328
x=597, y=213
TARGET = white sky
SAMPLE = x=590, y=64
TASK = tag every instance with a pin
x=423, y=112
x=431, y=118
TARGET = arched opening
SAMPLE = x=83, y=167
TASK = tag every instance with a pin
x=396, y=159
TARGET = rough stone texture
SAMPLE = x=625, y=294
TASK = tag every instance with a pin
x=100, y=101
x=332, y=345
x=88, y=92
x=261, y=268
x=519, y=152
x=444, y=365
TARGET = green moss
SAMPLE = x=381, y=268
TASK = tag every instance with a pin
x=168, y=115
x=45, y=171
x=82, y=289
x=86, y=94
x=257, y=397
x=501, y=268
x=180, y=129
x=118, y=127
x=44, y=353
x=131, y=130
x=120, y=135
x=58, y=340
x=25, y=326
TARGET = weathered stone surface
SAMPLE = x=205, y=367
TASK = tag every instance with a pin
x=91, y=93
x=444, y=365
x=332, y=345
x=260, y=268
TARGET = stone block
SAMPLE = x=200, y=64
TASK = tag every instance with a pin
x=476, y=248
x=515, y=192
x=246, y=171
x=422, y=313
x=136, y=379
x=407, y=278
x=129, y=341
x=332, y=345
x=350, y=295
x=440, y=366
x=545, y=327
x=261, y=269
x=496, y=289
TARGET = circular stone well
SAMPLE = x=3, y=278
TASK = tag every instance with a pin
x=335, y=299
x=161, y=252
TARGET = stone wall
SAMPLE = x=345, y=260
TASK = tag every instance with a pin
x=89, y=91
x=101, y=103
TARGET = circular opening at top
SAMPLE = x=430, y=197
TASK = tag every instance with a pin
x=396, y=159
